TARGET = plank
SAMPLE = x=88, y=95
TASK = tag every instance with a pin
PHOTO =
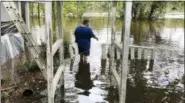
x=116, y=76
x=117, y=46
x=150, y=53
x=145, y=53
x=57, y=76
x=132, y=53
x=104, y=56
x=139, y=53
x=118, y=55
x=56, y=46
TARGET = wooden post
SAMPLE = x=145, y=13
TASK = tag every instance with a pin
x=104, y=51
x=111, y=52
x=23, y=5
x=122, y=28
x=146, y=54
x=113, y=21
x=27, y=15
x=60, y=32
x=19, y=7
x=128, y=12
x=48, y=23
x=112, y=35
x=132, y=53
x=139, y=55
x=0, y=57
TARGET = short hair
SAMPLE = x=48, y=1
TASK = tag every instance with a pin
x=85, y=21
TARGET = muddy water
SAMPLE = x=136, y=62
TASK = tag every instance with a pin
x=150, y=81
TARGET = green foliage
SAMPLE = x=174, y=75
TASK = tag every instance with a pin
x=70, y=7
x=175, y=7
x=4, y=95
x=140, y=10
x=148, y=10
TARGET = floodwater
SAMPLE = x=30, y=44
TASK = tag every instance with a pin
x=149, y=81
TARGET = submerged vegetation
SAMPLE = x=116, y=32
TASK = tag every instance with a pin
x=140, y=10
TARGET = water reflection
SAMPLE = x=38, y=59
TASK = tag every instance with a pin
x=83, y=78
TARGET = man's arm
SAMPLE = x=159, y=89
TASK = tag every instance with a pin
x=75, y=33
x=95, y=37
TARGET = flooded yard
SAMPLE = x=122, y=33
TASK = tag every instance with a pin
x=149, y=81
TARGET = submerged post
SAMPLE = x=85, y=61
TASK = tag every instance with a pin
x=48, y=27
x=127, y=18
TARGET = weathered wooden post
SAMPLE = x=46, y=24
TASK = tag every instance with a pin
x=104, y=53
x=27, y=15
x=19, y=7
x=139, y=55
x=0, y=56
x=60, y=36
x=23, y=5
x=132, y=53
x=125, y=46
x=112, y=37
x=48, y=23
x=60, y=31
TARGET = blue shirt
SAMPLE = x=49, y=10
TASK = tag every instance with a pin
x=83, y=36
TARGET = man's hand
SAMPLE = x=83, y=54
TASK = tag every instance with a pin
x=97, y=39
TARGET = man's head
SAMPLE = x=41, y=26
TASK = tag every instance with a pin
x=86, y=22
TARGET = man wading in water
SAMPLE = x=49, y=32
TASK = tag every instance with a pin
x=83, y=35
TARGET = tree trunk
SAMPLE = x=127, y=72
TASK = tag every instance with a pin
x=38, y=8
x=153, y=7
